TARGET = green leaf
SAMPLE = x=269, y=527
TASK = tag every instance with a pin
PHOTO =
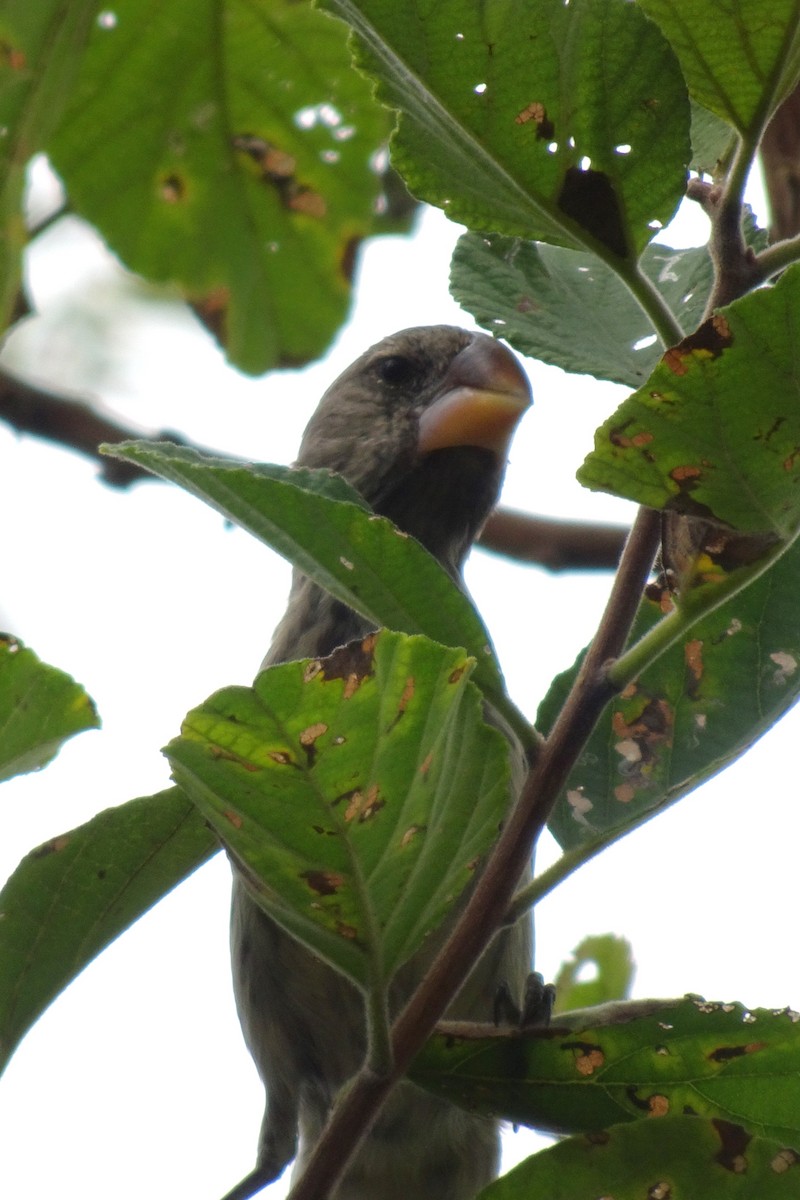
x=612, y=958
x=357, y=792
x=40, y=707
x=318, y=522
x=713, y=141
x=41, y=47
x=695, y=709
x=679, y=1158
x=72, y=896
x=739, y=60
x=718, y=422
x=569, y=308
x=226, y=147
x=626, y=1062
x=530, y=117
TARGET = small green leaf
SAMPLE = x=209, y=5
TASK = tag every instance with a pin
x=72, y=896
x=678, y=1158
x=695, y=709
x=40, y=707
x=739, y=60
x=356, y=792
x=318, y=522
x=718, y=422
x=566, y=123
x=612, y=959
x=227, y=148
x=41, y=49
x=626, y=1062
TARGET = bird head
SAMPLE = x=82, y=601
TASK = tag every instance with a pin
x=421, y=424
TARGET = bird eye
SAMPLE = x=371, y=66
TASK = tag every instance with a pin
x=395, y=369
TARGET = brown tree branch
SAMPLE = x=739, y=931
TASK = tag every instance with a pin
x=75, y=424
x=485, y=912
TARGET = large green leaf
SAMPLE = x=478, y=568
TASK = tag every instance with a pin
x=357, y=792
x=72, y=896
x=40, y=707
x=318, y=522
x=630, y=1062
x=567, y=123
x=740, y=59
x=226, y=147
x=677, y=1158
x=696, y=708
x=41, y=48
x=718, y=422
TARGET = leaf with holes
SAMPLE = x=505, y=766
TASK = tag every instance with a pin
x=213, y=151
x=356, y=793
x=566, y=123
x=715, y=431
x=674, y=1157
x=630, y=1061
x=700, y=705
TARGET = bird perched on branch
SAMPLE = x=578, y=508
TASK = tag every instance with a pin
x=420, y=424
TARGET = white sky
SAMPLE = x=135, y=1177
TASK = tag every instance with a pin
x=136, y=1082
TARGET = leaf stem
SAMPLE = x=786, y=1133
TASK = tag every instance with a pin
x=651, y=301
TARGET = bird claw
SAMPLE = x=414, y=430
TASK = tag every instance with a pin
x=538, y=998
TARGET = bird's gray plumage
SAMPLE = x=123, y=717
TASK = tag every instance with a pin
x=303, y=1022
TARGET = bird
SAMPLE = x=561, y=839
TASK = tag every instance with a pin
x=420, y=424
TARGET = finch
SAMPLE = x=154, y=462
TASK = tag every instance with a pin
x=420, y=424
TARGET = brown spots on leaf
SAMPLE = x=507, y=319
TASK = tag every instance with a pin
x=347, y=931
x=660, y=1191
x=693, y=654
x=233, y=818
x=353, y=663
x=411, y=834
x=784, y=1160
x=53, y=846
x=588, y=1057
x=654, y=1105
x=408, y=694
x=786, y=664
x=223, y=755
x=212, y=310
x=456, y=674
x=425, y=765
x=278, y=170
x=724, y=1054
x=527, y=304
x=363, y=805
x=310, y=735
x=536, y=111
x=734, y=1141
x=12, y=56
x=324, y=883
x=643, y=726
x=281, y=757
x=685, y=475
x=708, y=341
x=624, y=793
x=173, y=189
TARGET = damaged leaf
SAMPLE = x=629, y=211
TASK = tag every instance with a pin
x=626, y=1062
x=360, y=838
x=715, y=431
x=585, y=147
x=701, y=703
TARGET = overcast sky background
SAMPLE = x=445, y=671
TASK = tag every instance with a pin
x=136, y=1082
